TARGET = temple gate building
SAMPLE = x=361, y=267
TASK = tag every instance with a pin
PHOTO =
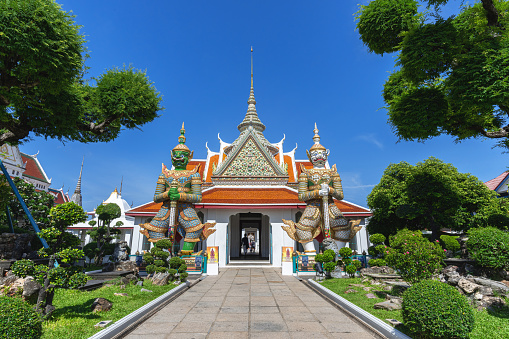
x=249, y=186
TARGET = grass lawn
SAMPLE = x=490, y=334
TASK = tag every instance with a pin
x=73, y=318
x=488, y=324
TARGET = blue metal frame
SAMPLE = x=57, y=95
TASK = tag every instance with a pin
x=24, y=206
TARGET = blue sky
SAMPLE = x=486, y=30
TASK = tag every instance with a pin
x=309, y=66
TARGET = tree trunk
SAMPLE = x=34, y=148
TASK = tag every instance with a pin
x=45, y=298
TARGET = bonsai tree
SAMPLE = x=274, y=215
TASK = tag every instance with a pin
x=157, y=257
x=62, y=246
x=328, y=261
x=103, y=234
x=178, y=268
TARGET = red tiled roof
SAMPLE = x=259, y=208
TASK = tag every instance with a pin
x=60, y=196
x=32, y=168
x=231, y=198
x=193, y=163
x=494, y=183
x=213, y=160
x=307, y=165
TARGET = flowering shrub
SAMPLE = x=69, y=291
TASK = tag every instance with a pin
x=415, y=257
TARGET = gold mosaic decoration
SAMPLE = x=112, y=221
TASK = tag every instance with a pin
x=250, y=161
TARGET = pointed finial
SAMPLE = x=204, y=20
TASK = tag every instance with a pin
x=251, y=67
x=316, y=139
x=182, y=138
x=121, y=182
x=182, y=141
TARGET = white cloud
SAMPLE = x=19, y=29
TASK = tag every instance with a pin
x=370, y=138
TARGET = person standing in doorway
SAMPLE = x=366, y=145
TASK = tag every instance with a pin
x=245, y=244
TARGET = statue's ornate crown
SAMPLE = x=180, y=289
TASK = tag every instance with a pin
x=316, y=138
x=182, y=141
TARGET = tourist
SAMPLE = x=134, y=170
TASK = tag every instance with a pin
x=245, y=244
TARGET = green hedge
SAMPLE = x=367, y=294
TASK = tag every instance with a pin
x=18, y=319
x=489, y=246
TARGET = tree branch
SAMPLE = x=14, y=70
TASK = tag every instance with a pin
x=491, y=12
x=97, y=128
x=501, y=133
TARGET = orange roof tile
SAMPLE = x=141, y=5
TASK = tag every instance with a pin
x=213, y=160
x=291, y=175
x=307, y=165
x=193, y=163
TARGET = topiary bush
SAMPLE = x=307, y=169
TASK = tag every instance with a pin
x=351, y=269
x=432, y=309
x=377, y=238
x=357, y=264
x=450, y=243
x=18, y=319
x=489, y=246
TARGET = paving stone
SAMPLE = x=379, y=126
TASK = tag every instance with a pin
x=230, y=326
x=228, y=335
x=305, y=326
x=268, y=326
x=193, y=326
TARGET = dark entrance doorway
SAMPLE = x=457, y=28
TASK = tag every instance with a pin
x=255, y=227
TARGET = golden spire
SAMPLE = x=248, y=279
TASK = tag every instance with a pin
x=182, y=141
x=316, y=139
x=251, y=118
x=251, y=66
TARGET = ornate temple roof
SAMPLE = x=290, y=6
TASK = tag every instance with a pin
x=33, y=168
x=499, y=184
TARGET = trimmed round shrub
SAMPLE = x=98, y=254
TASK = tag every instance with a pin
x=150, y=269
x=319, y=258
x=377, y=262
x=357, y=264
x=372, y=250
x=18, y=319
x=182, y=268
x=23, y=267
x=175, y=262
x=183, y=276
x=329, y=266
x=351, y=269
x=345, y=252
x=450, y=243
x=432, y=309
x=163, y=243
x=489, y=246
x=329, y=255
x=377, y=238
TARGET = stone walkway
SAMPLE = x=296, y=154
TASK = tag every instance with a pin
x=250, y=303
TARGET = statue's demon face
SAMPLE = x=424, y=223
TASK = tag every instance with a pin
x=179, y=159
x=319, y=157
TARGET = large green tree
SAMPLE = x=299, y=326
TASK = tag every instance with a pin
x=432, y=195
x=42, y=89
x=452, y=74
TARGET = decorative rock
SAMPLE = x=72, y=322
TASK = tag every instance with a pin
x=484, y=290
x=450, y=270
x=453, y=280
x=496, y=286
x=139, y=283
x=127, y=265
x=367, y=289
x=350, y=290
x=161, y=279
x=505, y=282
x=370, y=296
x=377, y=270
x=468, y=286
x=131, y=278
x=387, y=305
x=8, y=280
x=30, y=288
x=121, y=294
x=469, y=268
x=387, y=288
x=101, y=304
x=145, y=290
x=336, y=274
